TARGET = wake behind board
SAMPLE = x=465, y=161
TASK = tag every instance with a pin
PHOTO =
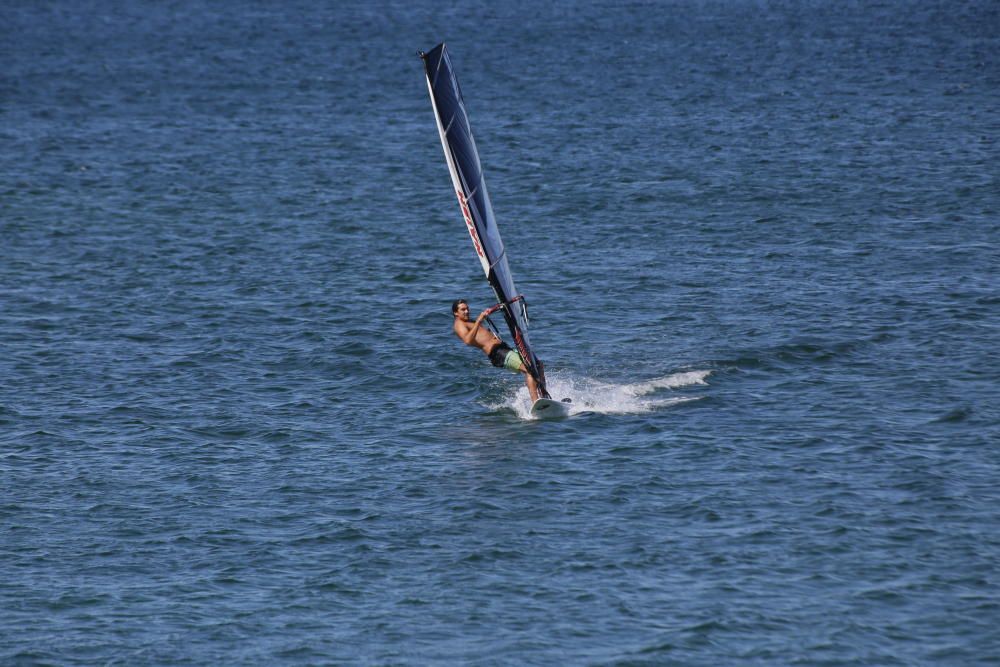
x=546, y=408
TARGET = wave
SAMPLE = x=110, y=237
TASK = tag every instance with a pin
x=590, y=395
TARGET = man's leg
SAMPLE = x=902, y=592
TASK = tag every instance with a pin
x=532, y=385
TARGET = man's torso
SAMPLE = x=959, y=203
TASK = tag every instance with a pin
x=484, y=339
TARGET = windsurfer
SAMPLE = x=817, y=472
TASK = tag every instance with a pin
x=499, y=353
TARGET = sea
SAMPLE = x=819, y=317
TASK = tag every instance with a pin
x=760, y=245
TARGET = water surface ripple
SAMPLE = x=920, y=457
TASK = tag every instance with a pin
x=760, y=245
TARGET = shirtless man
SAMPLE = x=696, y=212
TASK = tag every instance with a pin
x=500, y=354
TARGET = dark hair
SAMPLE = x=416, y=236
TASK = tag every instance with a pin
x=455, y=304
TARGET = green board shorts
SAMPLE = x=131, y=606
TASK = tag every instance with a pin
x=503, y=357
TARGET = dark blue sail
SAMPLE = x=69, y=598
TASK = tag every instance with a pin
x=474, y=200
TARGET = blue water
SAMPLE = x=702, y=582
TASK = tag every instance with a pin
x=760, y=241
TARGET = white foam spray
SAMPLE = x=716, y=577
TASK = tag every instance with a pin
x=589, y=395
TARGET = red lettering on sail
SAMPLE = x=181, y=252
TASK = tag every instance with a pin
x=522, y=348
x=468, y=222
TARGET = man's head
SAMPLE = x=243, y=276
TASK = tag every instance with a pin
x=460, y=308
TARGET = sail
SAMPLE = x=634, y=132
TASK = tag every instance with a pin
x=474, y=200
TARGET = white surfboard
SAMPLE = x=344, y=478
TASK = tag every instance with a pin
x=547, y=408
